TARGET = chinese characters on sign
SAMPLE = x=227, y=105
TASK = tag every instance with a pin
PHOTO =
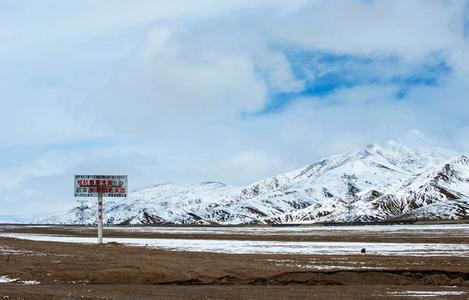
x=108, y=185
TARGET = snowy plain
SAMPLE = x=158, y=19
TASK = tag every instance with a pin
x=453, y=230
x=432, y=230
x=267, y=247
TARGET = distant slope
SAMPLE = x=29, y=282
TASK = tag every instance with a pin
x=11, y=219
x=394, y=182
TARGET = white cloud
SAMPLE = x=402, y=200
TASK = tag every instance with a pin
x=252, y=164
x=279, y=74
x=174, y=86
x=399, y=27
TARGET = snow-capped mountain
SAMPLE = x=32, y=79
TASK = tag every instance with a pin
x=391, y=182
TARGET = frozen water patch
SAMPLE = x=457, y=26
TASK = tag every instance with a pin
x=426, y=293
x=268, y=247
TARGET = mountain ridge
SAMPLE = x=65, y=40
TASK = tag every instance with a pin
x=394, y=182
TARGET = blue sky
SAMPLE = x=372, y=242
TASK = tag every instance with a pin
x=340, y=71
x=233, y=91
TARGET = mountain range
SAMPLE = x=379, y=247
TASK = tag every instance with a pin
x=389, y=182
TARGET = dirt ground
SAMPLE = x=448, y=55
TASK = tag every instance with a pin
x=118, y=291
x=115, y=271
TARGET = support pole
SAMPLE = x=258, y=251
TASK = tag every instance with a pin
x=100, y=217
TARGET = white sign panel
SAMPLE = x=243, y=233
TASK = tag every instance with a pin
x=108, y=185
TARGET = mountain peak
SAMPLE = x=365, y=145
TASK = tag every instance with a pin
x=390, y=146
x=404, y=157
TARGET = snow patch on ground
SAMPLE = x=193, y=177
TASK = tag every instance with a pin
x=6, y=250
x=29, y=282
x=329, y=267
x=312, y=265
x=6, y=279
x=268, y=247
x=426, y=293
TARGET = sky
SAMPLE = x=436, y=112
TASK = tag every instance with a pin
x=231, y=90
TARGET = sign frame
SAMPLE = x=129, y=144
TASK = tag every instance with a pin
x=108, y=185
x=100, y=186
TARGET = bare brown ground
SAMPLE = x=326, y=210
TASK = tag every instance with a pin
x=118, y=291
x=119, y=272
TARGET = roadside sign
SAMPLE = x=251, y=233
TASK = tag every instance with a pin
x=107, y=185
x=100, y=186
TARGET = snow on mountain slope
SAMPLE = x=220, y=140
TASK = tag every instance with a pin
x=321, y=187
x=440, y=192
x=159, y=204
x=393, y=182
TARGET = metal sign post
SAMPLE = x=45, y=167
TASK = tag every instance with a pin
x=100, y=217
x=100, y=186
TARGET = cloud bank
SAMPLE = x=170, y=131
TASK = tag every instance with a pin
x=228, y=90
